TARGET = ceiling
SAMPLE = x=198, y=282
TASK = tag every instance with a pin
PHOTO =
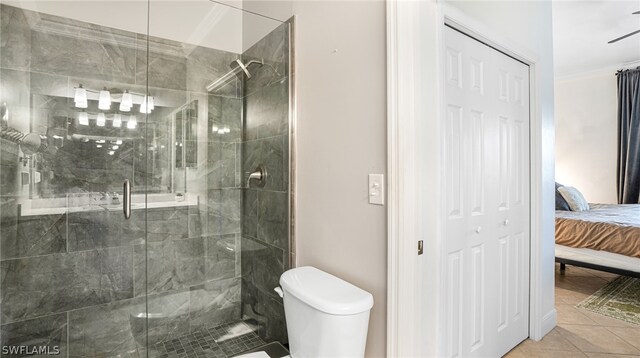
x=581, y=30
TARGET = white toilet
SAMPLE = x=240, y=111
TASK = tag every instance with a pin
x=326, y=316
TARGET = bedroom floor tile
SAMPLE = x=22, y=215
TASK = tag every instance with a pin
x=569, y=314
x=582, y=333
x=596, y=339
x=630, y=335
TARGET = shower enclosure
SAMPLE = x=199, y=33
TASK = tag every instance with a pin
x=144, y=178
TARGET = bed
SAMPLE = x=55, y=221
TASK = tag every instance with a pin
x=605, y=238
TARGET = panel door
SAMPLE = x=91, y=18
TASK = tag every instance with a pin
x=486, y=206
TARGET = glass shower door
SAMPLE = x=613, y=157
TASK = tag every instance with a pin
x=182, y=99
x=73, y=82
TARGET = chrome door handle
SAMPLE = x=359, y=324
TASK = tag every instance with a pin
x=126, y=199
x=478, y=229
x=506, y=222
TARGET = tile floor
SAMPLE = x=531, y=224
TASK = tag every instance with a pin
x=581, y=333
x=218, y=342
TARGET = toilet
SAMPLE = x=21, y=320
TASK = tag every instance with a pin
x=326, y=316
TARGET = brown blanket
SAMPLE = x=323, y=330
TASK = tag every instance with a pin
x=613, y=228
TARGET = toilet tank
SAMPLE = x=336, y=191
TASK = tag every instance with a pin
x=326, y=316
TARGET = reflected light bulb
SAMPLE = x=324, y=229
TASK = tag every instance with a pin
x=100, y=121
x=132, y=123
x=80, y=97
x=104, y=101
x=117, y=120
x=83, y=118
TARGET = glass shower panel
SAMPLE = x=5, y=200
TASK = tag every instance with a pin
x=212, y=262
x=72, y=80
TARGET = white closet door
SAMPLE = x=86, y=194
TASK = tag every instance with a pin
x=486, y=207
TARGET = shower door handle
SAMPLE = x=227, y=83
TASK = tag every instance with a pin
x=126, y=199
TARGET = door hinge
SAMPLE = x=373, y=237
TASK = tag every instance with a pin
x=420, y=248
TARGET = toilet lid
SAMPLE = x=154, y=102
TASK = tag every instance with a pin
x=325, y=292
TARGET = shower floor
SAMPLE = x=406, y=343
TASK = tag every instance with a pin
x=220, y=342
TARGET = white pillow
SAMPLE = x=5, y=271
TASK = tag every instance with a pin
x=574, y=198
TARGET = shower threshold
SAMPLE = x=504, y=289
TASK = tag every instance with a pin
x=224, y=341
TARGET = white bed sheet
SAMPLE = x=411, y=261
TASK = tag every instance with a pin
x=602, y=258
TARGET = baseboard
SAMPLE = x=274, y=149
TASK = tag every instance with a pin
x=549, y=322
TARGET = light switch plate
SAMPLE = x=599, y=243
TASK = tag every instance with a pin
x=376, y=189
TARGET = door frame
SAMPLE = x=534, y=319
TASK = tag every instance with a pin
x=415, y=95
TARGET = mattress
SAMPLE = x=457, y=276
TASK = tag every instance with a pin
x=601, y=258
x=606, y=227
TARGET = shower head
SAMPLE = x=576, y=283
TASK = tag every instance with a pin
x=237, y=68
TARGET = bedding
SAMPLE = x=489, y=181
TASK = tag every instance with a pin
x=561, y=204
x=574, y=197
x=607, y=227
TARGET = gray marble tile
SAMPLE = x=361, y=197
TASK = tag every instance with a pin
x=273, y=218
x=267, y=310
x=134, y=230
x=221, y=165
x=167, y=224
x=225, y=112
x=262, y=265
x=274, y=50
x=33, y=235
x=43, y=285
x=272, y=152
x=49, y=333
x=195, y=222
x=164, y=71
x=107, y=330
x=15, y=38
x=215, y=303
x=75, y=56
x=250, y=213
x=169, y=265
x=51, y=85
x=9, y=186
x=220, y=260
x=168, y=316
x=267, y=111
x=223, y=211
x=96, y=229
x=15, y=87
x=275, y=112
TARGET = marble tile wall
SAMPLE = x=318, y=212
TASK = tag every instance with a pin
x=265, y=211
x=82, y=280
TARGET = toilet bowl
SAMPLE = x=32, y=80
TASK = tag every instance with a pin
x=326, y=316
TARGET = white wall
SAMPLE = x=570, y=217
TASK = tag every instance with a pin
x=586, y=134
x=341, y=81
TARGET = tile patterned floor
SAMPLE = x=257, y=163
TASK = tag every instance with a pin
x=217, y=342
x=581, y=333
